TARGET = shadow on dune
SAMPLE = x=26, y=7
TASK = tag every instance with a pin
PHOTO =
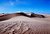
x=37, y=15
x=8, y=16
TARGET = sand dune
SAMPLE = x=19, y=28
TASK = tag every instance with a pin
x=21, y=24
x=8, y=16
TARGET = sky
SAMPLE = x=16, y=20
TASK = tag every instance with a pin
x=35, y=6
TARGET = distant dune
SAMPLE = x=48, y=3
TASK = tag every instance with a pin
x=8, y=16
x=21, y=23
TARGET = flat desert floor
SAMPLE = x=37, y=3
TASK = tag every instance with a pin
x=25, y=25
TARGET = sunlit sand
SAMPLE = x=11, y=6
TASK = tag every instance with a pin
x=25, y=25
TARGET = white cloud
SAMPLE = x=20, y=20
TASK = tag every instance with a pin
x=18, y=11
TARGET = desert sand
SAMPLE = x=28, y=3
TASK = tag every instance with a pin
x=25, y=25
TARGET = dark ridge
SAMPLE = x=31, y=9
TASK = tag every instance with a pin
x=37, y=15
x=23, y=14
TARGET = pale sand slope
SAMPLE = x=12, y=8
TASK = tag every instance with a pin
x=25, y=25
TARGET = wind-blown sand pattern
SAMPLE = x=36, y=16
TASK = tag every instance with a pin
x=25, y=25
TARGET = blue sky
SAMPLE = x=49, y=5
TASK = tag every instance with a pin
x=36, y=6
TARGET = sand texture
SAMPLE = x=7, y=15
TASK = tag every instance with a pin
x=25, y=25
